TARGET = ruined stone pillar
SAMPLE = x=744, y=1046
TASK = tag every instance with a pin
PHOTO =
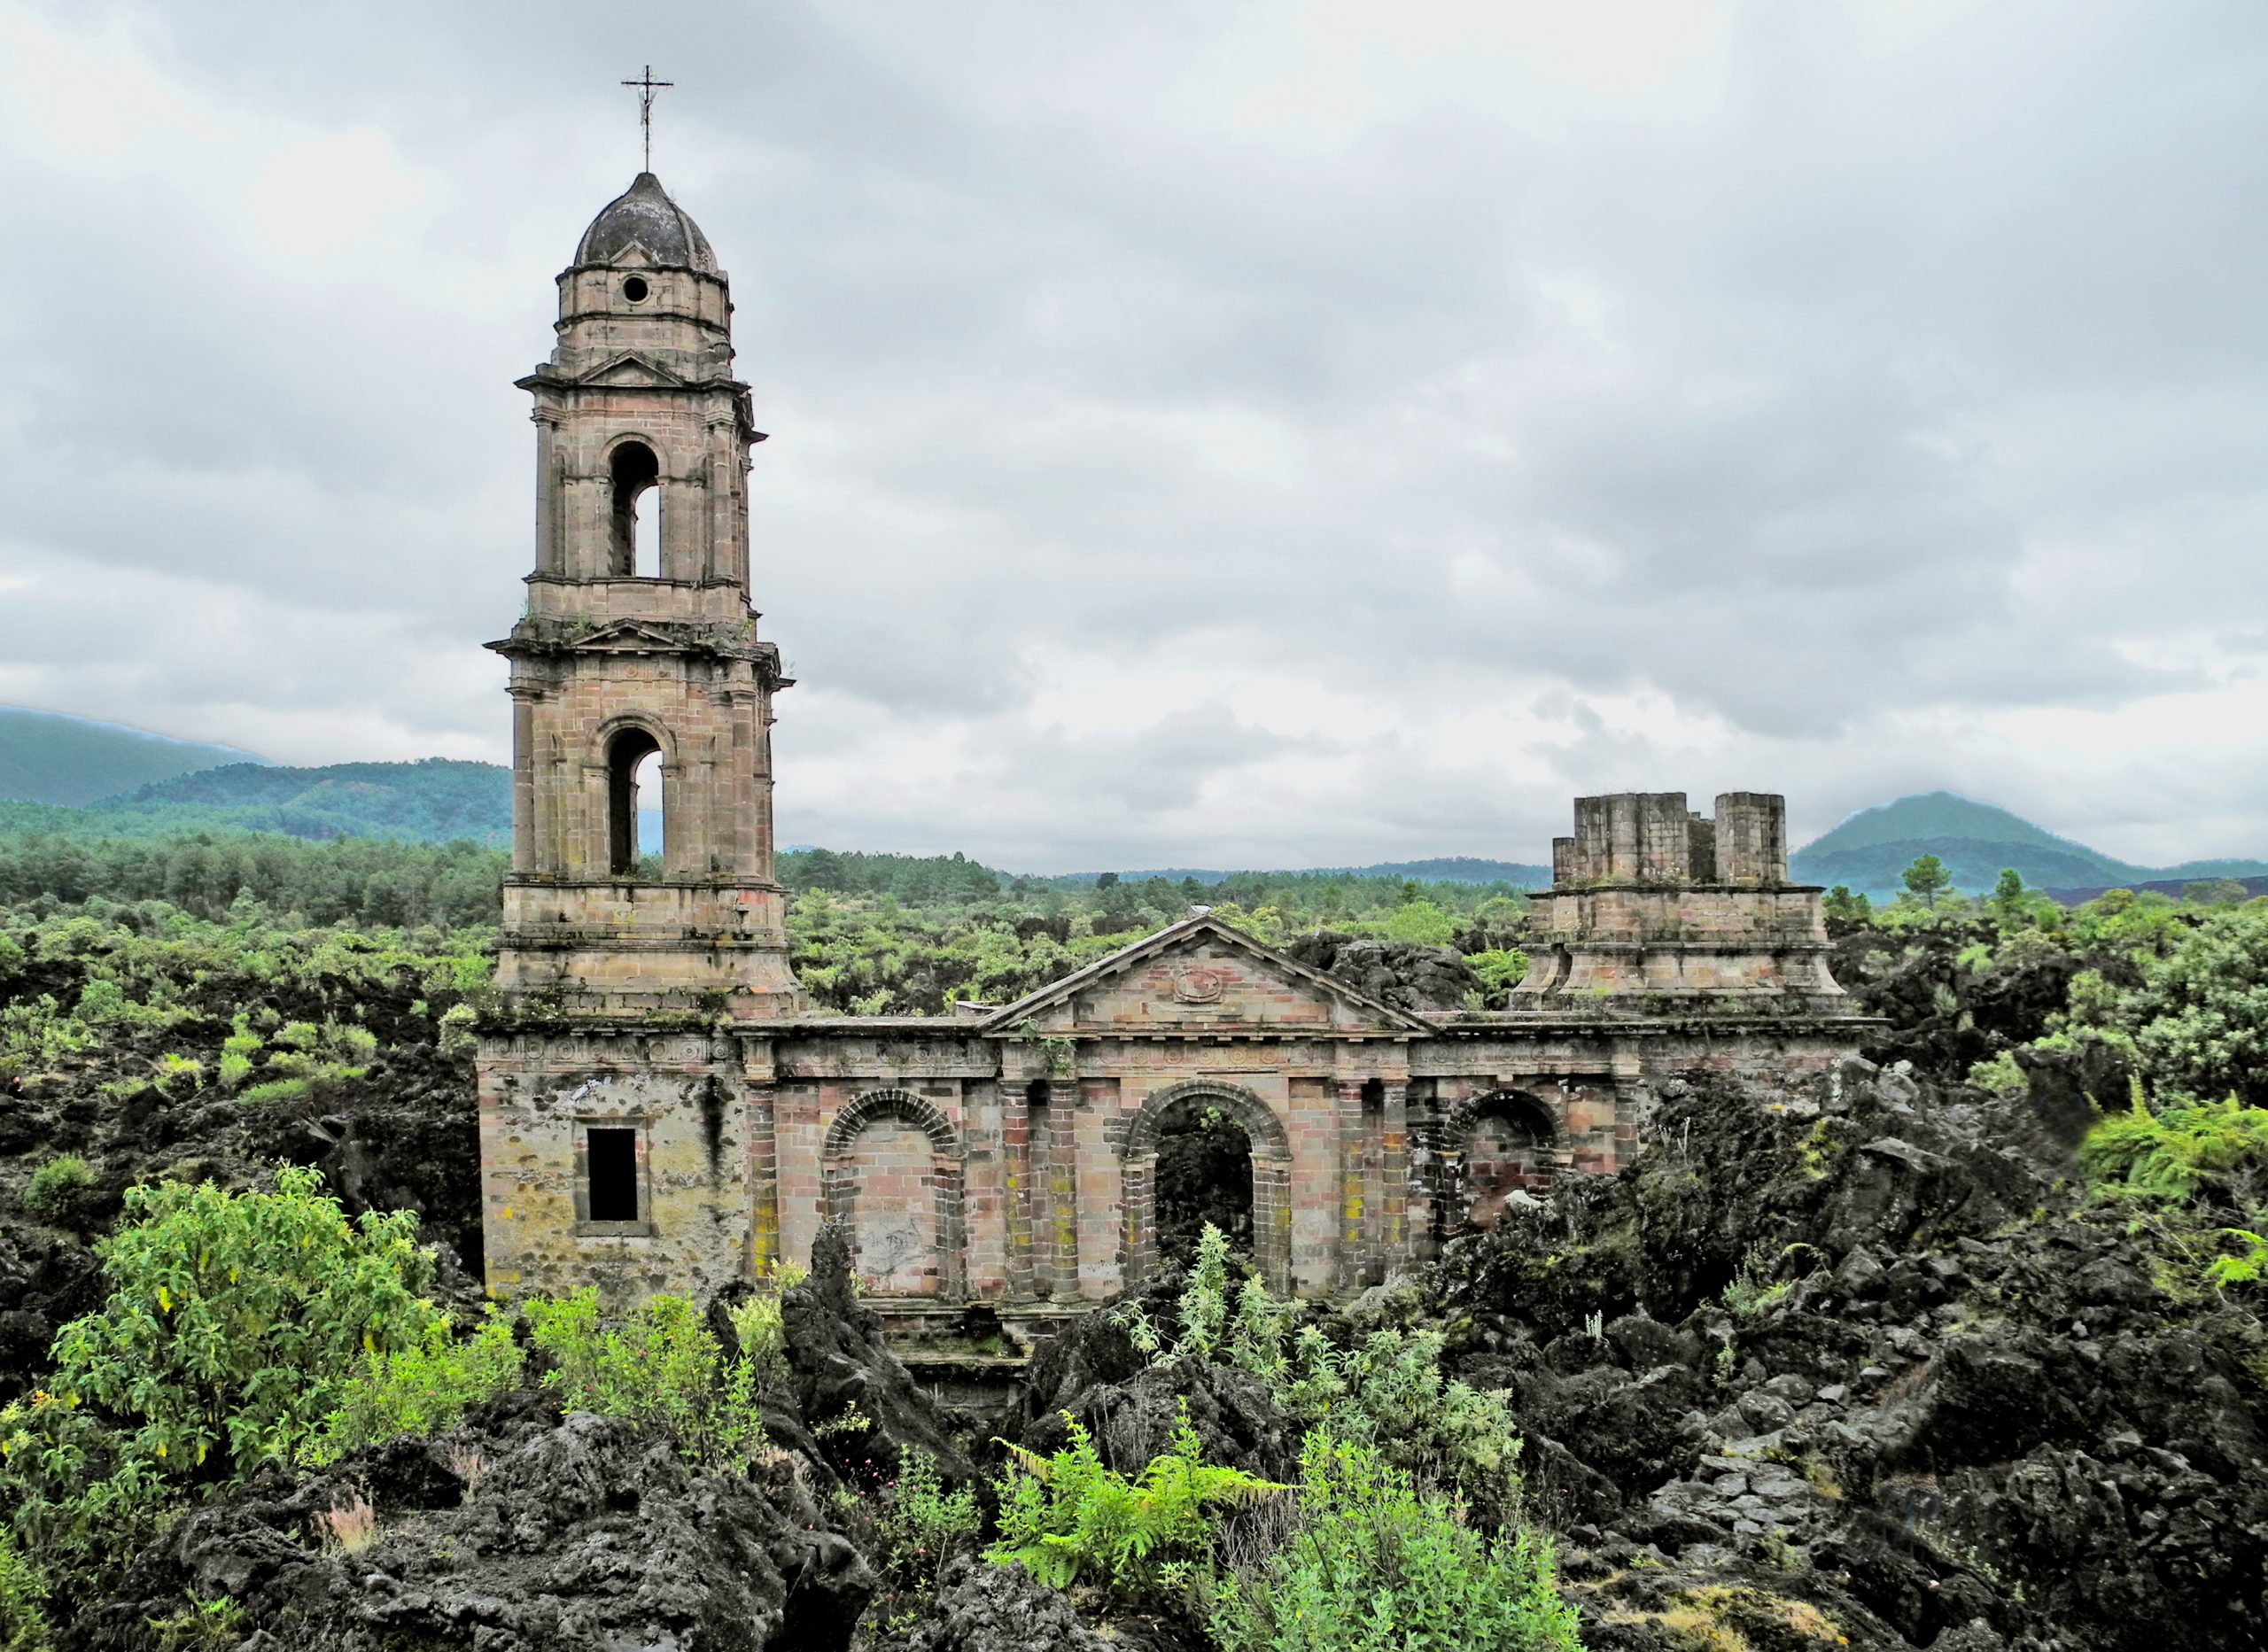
x=1356, y=1130
x=764, y=1245
x=547, y=502
x=1016, y=1195
x=1394, y=1154
x=1063, y=1195
x=523, y=815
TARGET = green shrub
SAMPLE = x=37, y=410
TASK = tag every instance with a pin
x=921, y=1524
x=1068, y=1516
x=54, y=1187
x=1387, y=1390
x=457, y=1034
x=1999, y=1075
x=1500, y=969
x=422, y=1390
x=1378, y=1565
x=276, y=1091
x=2170, y=1156
x=23, y=1600
x=660, y=1366
x=758, y=1325
x=234, y=1320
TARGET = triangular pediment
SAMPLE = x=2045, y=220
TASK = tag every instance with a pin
x=1201, y=976
x=628, y=636
x=634, y=371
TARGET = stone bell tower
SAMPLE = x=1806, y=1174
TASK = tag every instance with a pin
x=623, y=1141
x=638, y=415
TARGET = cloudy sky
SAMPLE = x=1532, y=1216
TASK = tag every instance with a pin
x=1203, y=433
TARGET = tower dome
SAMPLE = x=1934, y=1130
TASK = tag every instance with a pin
x=644, y=216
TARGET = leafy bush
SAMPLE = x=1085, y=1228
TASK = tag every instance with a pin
x=1500, y=969
x=1378, y=1565
x=23, y=1600
x=660, y=1366
x=2171, y=1156
x=234, y=1321
x=422, y=1390
x=1387, y=1390
x=757, y=1323
x=1999, y=1075
x=922, y=1524
x=54, y=1187
x=1068, y=1516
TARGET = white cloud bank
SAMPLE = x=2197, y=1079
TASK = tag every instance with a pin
x=1267, y=434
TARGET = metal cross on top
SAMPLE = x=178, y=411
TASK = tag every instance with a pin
x=647, y=87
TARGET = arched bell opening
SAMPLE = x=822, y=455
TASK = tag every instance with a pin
x=636, y=475
x=633, y=771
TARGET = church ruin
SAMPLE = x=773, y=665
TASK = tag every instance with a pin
x=661, y=1109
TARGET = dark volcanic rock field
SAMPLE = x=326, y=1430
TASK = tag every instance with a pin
x=1850, y=1363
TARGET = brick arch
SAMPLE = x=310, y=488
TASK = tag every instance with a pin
x=1271, y=1180
x=652, y=444
x=839, y=1173
x=1455, y=1140
x=603, y=737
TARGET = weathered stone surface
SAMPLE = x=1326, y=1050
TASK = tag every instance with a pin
x=582, y=1535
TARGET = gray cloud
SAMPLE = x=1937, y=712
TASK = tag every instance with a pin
x=1182, y=455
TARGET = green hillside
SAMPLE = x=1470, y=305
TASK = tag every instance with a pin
x=435, y=799
x=1976, y=842
x=49, y=757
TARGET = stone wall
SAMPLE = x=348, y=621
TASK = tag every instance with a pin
x=963, y=1184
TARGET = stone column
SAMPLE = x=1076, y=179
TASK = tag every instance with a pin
x=1063, y=1192
x=1393, y=1153
x=1016, y=1189
x=524, y=699
x=758, y=1074
x=547, y=495
x=1353, y=1215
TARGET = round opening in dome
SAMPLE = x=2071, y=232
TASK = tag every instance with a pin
x=635, y=289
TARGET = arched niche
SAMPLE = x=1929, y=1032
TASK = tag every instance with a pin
x=1493, y=1144
x=891, y=1170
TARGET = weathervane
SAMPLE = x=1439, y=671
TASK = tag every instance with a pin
x=647, y=87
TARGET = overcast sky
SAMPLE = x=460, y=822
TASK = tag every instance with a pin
x=1203, y=433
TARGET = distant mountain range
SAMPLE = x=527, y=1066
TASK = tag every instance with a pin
x=1870, y=851
x=52, y=757
x=83, y=778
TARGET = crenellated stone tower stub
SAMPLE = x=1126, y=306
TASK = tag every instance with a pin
x=1655, y=905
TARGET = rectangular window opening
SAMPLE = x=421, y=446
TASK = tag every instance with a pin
x=611, y=1158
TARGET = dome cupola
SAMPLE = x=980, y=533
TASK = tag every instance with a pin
x=644, y=217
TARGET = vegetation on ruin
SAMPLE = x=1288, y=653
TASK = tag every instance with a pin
x=1149, y=1537
x=1379, y=1564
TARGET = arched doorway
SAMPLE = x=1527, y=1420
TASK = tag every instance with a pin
x=1204, y=1175
x=1269, y=1150
x=635, y=522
